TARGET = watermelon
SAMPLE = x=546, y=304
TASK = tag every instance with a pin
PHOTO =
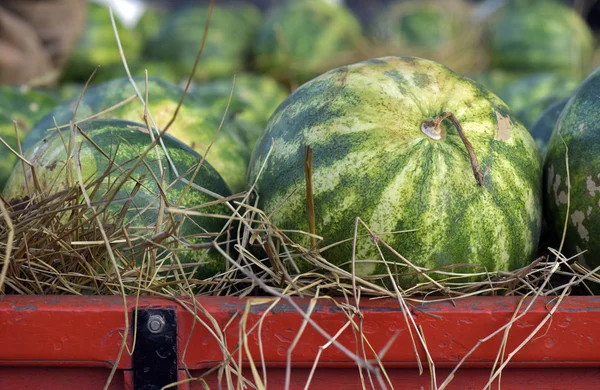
x=537, y=36
x=496, y=80
x=420, y=25
x=302, y=38
x=151, y=21
x=232, y=29
x=528, y=97
x=158, y=69
x=67, y=91
x=378, y=154
x=254, y=99
x=542, y=128
x=7, y=158
x=196, y=125
x=98, y=46
x=25, y=106
x=112, y=149
x=578, y=129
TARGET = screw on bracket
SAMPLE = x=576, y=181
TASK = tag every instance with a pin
x=156, y=323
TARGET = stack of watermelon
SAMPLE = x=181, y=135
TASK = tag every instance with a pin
x=445, y=171
x=539, y=52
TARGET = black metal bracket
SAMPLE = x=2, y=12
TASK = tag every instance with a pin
x=155, y=353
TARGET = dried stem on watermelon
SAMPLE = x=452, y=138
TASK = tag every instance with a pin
x=433, y=129
x=310, y=202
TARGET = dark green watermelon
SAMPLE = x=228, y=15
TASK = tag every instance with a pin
x=227, y=46
x=578, y=131
x=111, y=148
x=538, y=36
x=196, y=125
x=542, y=128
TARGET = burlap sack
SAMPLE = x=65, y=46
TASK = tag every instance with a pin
x=36, y=37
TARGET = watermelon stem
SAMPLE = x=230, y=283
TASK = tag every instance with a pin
x=434, y=127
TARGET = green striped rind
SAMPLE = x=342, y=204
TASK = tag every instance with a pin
x=25, y=106
x=98, y=46
x=253, y=101
x=231, y=32
x=371, y=160
x=302, y=38
x=422, y=24
x=528, y=97
x=124, y=142
x=542, y=129
x=541, y=36
x=579, y=128
x=196, y=125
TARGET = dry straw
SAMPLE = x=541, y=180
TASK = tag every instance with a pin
x=60, y=244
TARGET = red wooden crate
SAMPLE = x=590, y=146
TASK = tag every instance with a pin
x=51, y=342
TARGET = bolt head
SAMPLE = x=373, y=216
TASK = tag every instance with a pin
x=156, y=323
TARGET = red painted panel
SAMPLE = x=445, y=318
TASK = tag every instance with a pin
x=68, y=330
x=87, y=331
x=55, y=378
x=450, y=331
x=402, y=378
x=41, y=378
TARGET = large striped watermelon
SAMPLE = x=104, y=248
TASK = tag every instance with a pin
x=578, y=129
x=382, y=152
x=537, y=36
x=113, y=149
x=300, y=39
x=196, y=124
